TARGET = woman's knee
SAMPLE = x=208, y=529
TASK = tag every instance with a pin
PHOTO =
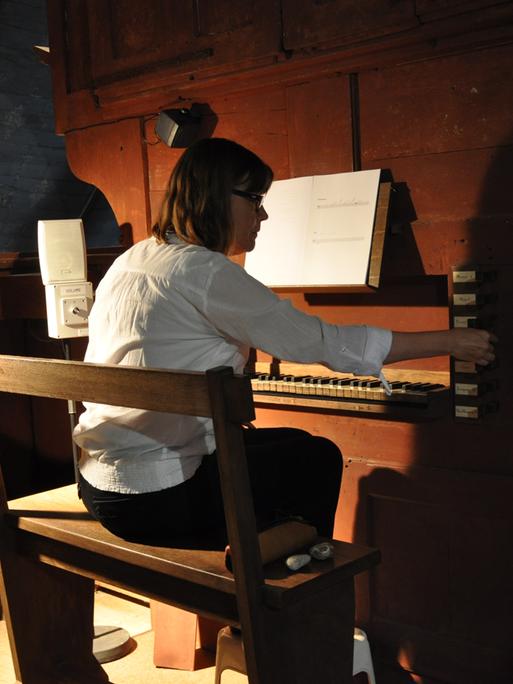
x=273, y=435
x=329, y=452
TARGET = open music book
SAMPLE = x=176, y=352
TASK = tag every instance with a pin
x=319, y=231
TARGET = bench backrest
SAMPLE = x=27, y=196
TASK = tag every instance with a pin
x=218, y=394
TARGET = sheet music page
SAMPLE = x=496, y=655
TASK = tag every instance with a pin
x=319, y=231
x=340, y=227
x=278, y=257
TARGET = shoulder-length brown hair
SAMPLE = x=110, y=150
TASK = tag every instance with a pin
x=197, y=204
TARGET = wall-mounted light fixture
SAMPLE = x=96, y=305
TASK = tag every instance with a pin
x=178, y=127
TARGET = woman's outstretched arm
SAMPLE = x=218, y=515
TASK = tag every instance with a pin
x=465, y=344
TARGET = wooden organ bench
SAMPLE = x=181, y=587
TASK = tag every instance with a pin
x=297, y=627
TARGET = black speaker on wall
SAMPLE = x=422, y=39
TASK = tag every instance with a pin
x=178, y=127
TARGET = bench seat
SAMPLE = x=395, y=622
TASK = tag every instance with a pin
x=60, y=516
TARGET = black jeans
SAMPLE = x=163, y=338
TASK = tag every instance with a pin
x=292, y=473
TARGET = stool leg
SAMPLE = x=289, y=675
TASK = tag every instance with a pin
x=362, y=658
x=229, y=653
x=370, y=675
x=219, y=671
x=219, y=657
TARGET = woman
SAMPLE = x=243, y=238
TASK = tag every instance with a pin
x=176, y=301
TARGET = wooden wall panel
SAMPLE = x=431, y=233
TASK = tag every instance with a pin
x=50, y=420
x=74, y=31
x=406, y=313
x=257, y=26
x=35, y=439
x=113, y=157
x=319, y=127
x=462, y=203
x=431, y=9
x=444, y=574
x=128, y=39
x=454, y=185
x=17, y=454
x=455, y=103
x=257, y=120
x=444, y=129
x=16, y=435
x=439, y=443
x=161, y=161
x=133, y=34
x=317, y=23
x=121, y=57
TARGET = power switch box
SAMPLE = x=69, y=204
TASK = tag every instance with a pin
x=74, y=310
x=68, y=306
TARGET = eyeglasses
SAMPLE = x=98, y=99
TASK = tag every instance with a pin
x=254, y=197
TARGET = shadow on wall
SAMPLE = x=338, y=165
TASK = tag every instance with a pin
x=443, y=521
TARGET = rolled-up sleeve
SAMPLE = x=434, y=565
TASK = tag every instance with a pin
x=243, y=309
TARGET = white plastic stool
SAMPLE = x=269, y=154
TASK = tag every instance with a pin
x=230, y=654
x=362, y=659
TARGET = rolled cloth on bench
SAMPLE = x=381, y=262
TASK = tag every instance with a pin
x=281, y=540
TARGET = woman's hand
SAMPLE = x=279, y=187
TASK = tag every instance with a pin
x=470, y=344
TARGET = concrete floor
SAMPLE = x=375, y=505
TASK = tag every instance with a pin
x=138, y=666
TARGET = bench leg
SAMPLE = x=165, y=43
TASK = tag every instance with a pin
x=49, y=615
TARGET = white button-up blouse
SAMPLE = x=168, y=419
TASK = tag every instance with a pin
x=185, y=307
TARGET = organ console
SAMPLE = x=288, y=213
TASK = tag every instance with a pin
x=474, y=305
x=416, y=395
x=415, y=398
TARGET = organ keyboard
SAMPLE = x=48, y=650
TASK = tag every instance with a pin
x=410, y=398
